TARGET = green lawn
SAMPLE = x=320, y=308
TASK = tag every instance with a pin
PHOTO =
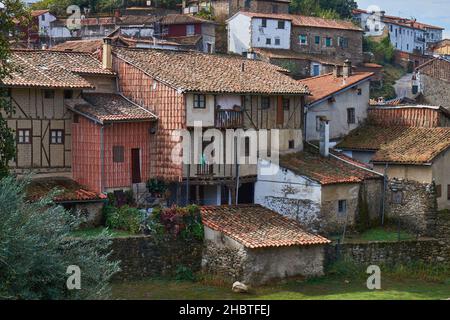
x=328, y=288
x=92, y=233
x=384, y=234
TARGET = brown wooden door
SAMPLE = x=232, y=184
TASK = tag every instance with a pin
x=136, y=166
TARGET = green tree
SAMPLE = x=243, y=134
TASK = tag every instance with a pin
x=36, y=250
x=332, y=9
x=12, y=12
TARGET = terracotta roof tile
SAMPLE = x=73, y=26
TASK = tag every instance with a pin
x=108, y=107
x=395, y=144
x=190, y=71
x=290, y=54
x=326, y=171
x=53, y=69
x=322, y=87
x=307, y=21
x=257, y=227
x=438, y=68
x=89, y=46
x=70, y=191
x=182, y=19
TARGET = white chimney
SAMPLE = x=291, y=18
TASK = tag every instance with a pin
x=347, y=71
x=107, y=53
x=324, y=137
x=251, y=55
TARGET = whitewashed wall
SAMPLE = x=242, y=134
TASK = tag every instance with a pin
x=239, y=34
x=260, y=34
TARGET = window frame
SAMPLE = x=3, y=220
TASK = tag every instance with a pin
x=197, y=101
x=188, y=28
x=19, y=136
x=317, y=40
x=351, y=116
x=330, y=43
x=342, y=206
x=118, y=154
x=265, y=102
x=57, y=141
x=264, y=23
x=268, y=41
x=301, y=38
x=49, y=92
x=438, y=191
x=281, y=22
x=68, y=93
x=277, y=42
x=286, y=103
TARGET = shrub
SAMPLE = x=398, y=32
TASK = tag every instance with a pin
x=184, y=273
x=124, y=218
x=36, y=249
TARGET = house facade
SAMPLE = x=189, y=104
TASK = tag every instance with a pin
x=307, y=46
x=341, y=97
x=407, y=35
x=185, y=89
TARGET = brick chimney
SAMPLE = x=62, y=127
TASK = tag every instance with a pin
x=347, y=70
x=324, y=137
x=337, y=71
x=107, y=53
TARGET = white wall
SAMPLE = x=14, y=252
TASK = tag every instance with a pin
x=260, y=34
x=227, y=102
x=239, y=33
x=44, y=23
x=336, y=112
x=403, y=38
x=289, y=194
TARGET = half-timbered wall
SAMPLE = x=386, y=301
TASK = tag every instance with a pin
x=40, y=115
x=167, y=104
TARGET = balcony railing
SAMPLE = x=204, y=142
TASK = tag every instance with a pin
x=204, y=170
x=227, y=119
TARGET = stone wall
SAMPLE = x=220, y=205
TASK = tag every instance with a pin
x=414, y=204
x=435, y=91
x=143, y=256
x=391, y=253
x=92, y=212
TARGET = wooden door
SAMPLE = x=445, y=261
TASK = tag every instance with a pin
x=136, y=166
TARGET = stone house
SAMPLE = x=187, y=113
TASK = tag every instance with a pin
x=432, y=82
x=324, y=194
x=185, y=89
x=440, y=48
x=341, y=97
x=255, y=245
x=415, y=160
x=309, y=45
x=37, y=32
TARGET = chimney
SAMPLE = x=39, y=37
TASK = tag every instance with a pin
x=243, y=67
x=324, y=137
x=251, y=55
x=347, y=72
x=107, y=53
x=337, y=71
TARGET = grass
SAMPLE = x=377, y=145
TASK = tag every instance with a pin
x=391, y=73
x=92, y=233
x=327, y=288
x=381, y=234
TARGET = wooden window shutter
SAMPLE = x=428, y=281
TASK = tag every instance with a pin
x=118, y=154
x=438, y=191
x=280, y=111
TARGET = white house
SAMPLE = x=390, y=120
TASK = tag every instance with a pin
x=271, y=31
x=342, y=98
x=407, y=35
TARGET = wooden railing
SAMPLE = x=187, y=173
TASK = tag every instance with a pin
x=205, y=170
x=229, y=119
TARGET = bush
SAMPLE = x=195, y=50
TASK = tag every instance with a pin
x=124, y=218
x=184, y=273
x=36, y=250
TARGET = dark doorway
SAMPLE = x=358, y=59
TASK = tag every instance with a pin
x=247, y=193
x=136, y=166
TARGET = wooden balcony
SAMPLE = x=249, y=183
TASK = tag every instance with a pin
x=229, y=119
x=205, y=170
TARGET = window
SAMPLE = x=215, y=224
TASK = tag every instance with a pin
x=390, y=27
x=277, y=41
x=316, y=70
x=317, y=39
x=268, y=41
x=377, y=28
x=291, y=144
x=118, y=154
x=328, y=42
x=247, y=146
x=265, y=103
x=263, y=23
x=407, y=46
x=23, y=136
x=397, y=197
x=247, y=4
x=57, y=136
x=342, y=206
x=281, y=24
x=199, y=101
x=448, y=192
x=286, y=104
x=76, y=118
x=359, y=91
x=68, y=94
x=190, y=30
x=343, y=42
x=43, y=17
x=438, y=191
x=49, y=94
x=318, y=123
x=303, y=39
x=351, y=116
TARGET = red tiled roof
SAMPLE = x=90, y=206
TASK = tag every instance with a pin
x=89, y=46
x=326, y=171
x=52, y=69
x=325, y=86
x=108, y=107
x=395, y=144
x=290, y=54
x=190, y=71
x=37, y=13
x=69, y=190
x=437, y=68
x=257, y=227
x=182, y=19
x=307, y=21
